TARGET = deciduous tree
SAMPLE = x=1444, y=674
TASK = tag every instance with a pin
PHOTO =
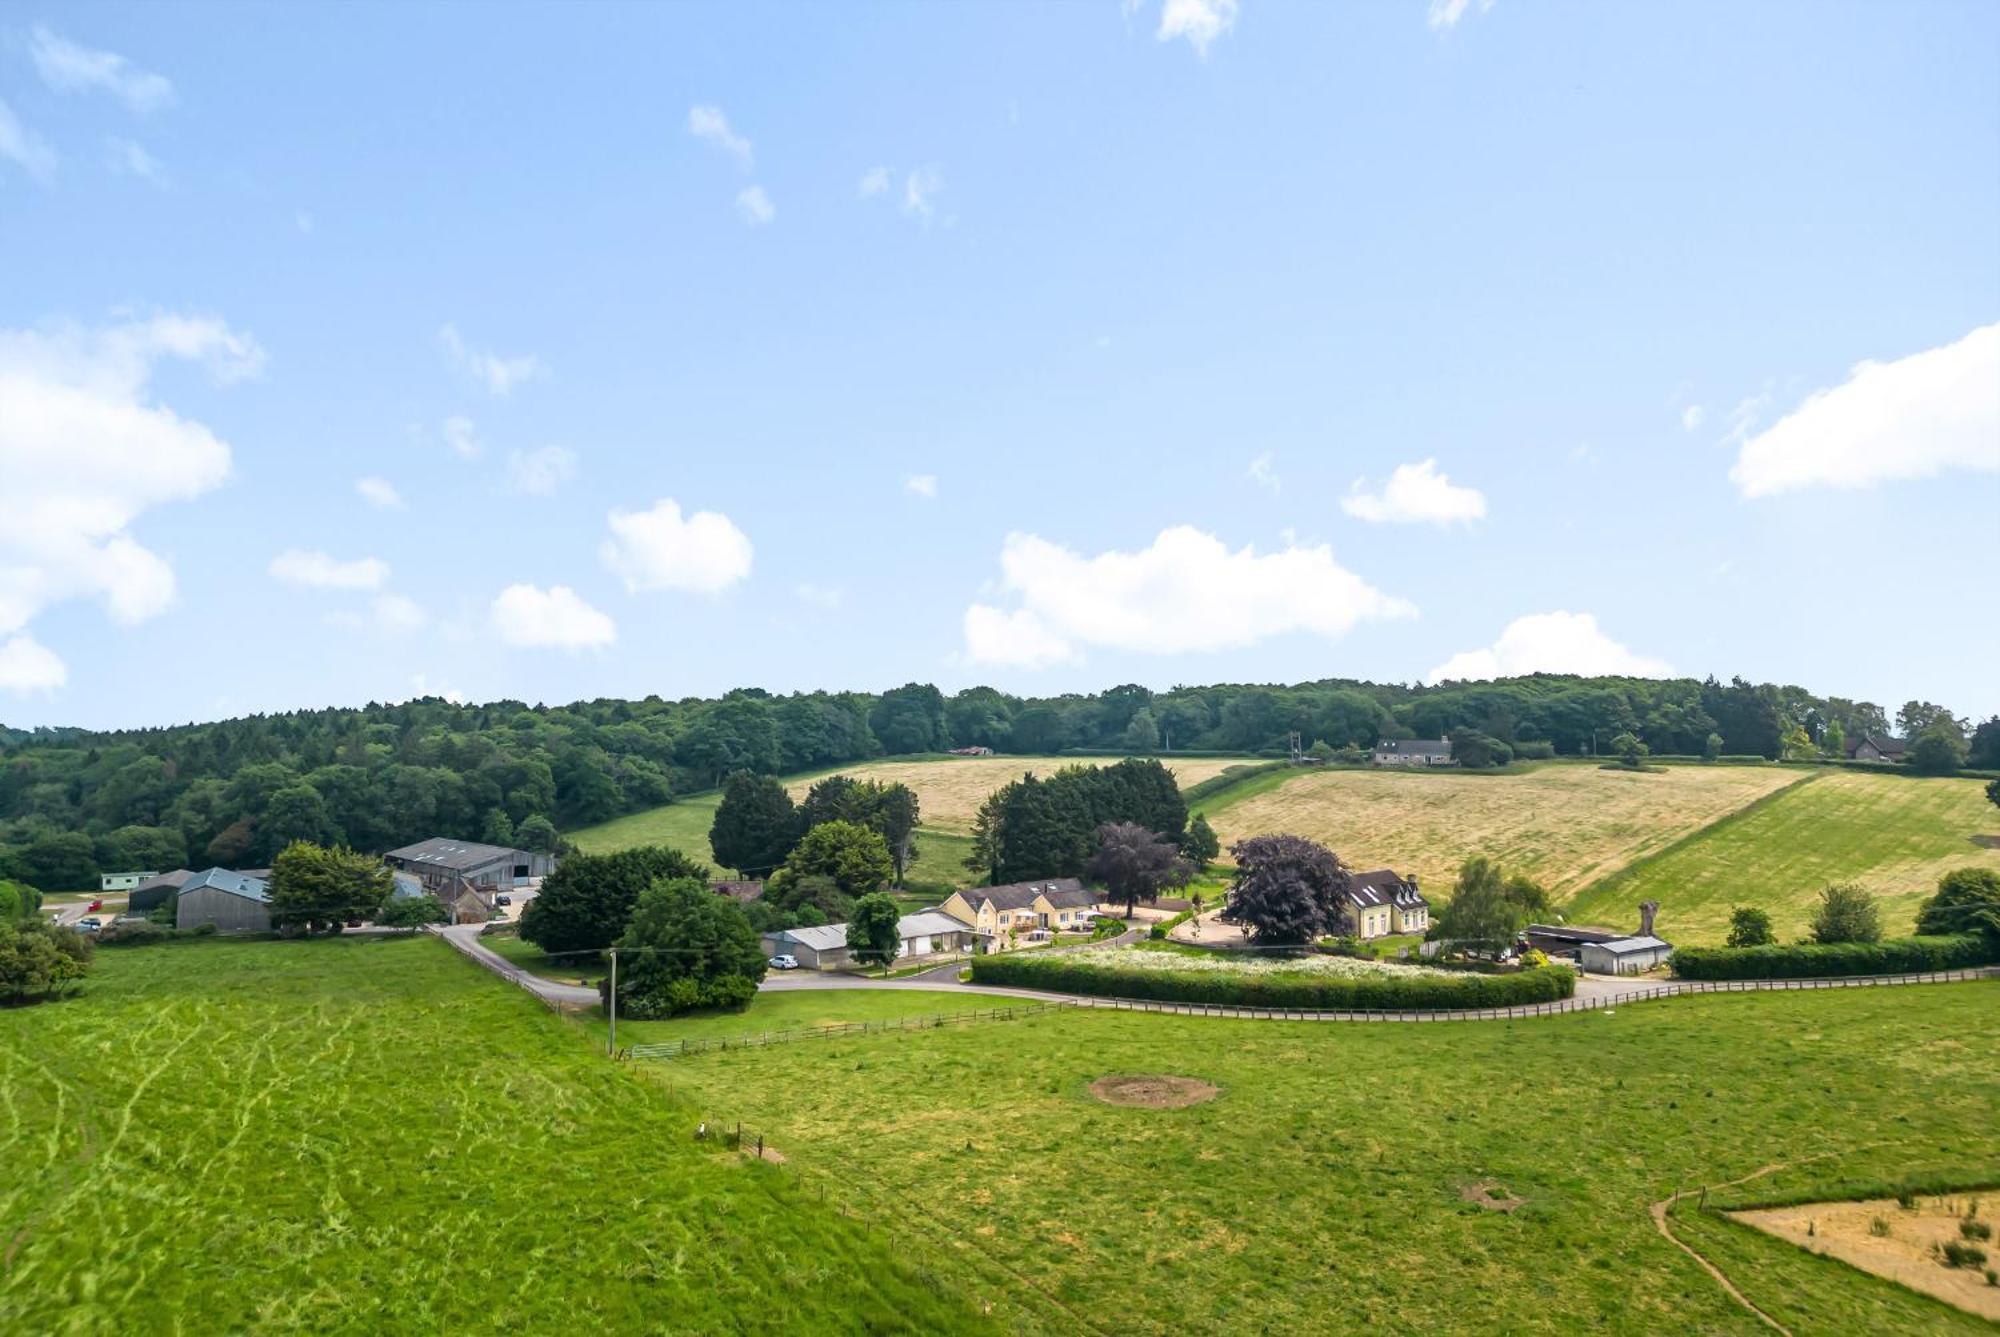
x=1938, y=750
x=872, y=933
x=854, y=857
x=1967, y=901
x=1847, y=913
x=1200, y=844
x=685, y=948
x=1480, y=916
x=585, y=904
x=756, y=824
x=1750, y=927
x=1136, y=865
x=316, y=890
x=1287, y=889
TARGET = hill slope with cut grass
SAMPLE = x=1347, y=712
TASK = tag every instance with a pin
x=1893, y=834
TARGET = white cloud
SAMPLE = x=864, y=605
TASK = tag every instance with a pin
x=659, y=550
x=875, y=181
x=1199, y=21
x=379, y=492
x=821, y=596
x=1186, y=592
x=303, y=220
x=541, y=471
x=553, y=619
x=498, y=374
x=1262, y=473
x=131, y=158
x=920, y=190
x=396, y=614
x=316, y=570
x=460, y=436
x=26, y=665
x=1445, y=14
x=708, y=123
x=1692, y=418
x=69, y=68
x=1556, y=642
x=921, y=485
x=23, y=147
x=1912, y=418
x=83, y=454
x=754, y=207
x=1415, y=493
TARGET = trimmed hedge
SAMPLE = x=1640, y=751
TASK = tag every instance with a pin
x=1229, y=779
x=1387, y=993
x=1809, y=959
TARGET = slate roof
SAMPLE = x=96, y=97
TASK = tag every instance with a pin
x=1383, y=886
x=1416, y=747
x=1065, y=893
x=1627, y=946
x=831, y=937
x=456, y=855
x=236, y=884
x=171, y=881
x=1888, y=747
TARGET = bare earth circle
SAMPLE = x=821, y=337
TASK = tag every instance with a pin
x=1489, y=1193
x=1154, y=1091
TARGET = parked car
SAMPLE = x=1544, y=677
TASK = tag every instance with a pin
x=95, y=906
x=784, y=963
x=89, y=924
x=503, y=900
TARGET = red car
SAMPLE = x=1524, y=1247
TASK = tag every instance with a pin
x=94, y=906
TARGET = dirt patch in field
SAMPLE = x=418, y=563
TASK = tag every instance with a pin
x=1851, y=1232
x=1490, y=1194
x=1154, y=1091
x=767, y=1153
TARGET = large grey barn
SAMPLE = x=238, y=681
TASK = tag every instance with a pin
x=233, y=902
x=440, y=863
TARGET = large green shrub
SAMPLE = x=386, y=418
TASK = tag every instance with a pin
x=39, y=960
x=1387, y=992
x=1814, y=959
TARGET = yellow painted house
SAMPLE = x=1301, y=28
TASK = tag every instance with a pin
x=1382, y=901
x=1003, y=916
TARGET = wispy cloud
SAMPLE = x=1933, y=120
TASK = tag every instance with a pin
x=754, y=207
x=316, y=570
x=130, y=157
x=462, y=437
x=68, y=67
x=1199, y=22
x=821, y=596
x=1262, y=473
x=1692, y=418
x=553, y=619
x=498, y=374
x=922, y=485
x=1415, y=494
x=1558, y=642
x=707, y=123
x=1445, y=14
x=23, y=147
x=920, y=190
x=379, y=493
x=536, y=473
x=874, y=181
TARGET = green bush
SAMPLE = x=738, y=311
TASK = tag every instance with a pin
x=1229, y=779
x=1812, y=959
x=1072, y=974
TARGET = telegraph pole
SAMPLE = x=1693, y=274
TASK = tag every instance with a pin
x=611, y=1050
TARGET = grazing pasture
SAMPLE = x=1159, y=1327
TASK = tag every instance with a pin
x=1565, y=825
x=1390, y=1177
x=1893, y=834
x=376, y=1136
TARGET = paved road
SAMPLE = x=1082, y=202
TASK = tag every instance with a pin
x=465, y=937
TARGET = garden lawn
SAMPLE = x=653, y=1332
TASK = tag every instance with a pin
x=1893, y=834
x=375, y=1136
x=1566, y=826
x=1322, y=1189
x=568, y=969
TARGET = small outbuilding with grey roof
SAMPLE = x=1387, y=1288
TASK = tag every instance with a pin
x=441, y=864
x=233, y=902
x=824, y=946
x=151, y=894
x=1623, y=956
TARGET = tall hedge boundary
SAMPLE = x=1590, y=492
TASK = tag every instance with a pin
x=1230, y=778
x=1388, y=993
x=1812, y=959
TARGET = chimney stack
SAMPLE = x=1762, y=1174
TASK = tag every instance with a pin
x=1647, y=909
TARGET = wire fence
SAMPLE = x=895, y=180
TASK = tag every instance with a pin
x=921, y=1022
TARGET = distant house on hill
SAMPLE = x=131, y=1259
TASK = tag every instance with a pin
x=1052, y=904
x=1382, y=902
x=151, y=894
x=441, y=864
x=824, y=947
x=233, y=902
x=1875, y=747
x=1413, y=752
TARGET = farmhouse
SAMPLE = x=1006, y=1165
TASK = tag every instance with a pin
x=1413, y=752
x=442, y=864
x=233, y=902
x=122, y=881
x=1623, y=956
x=995, y=913
x=151, y=894
x=1383, y=901
x=1875, y=747
x=825, y=947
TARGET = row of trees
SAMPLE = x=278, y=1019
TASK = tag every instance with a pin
x=757, y=826
x=1033, y=828
x=1967, y=900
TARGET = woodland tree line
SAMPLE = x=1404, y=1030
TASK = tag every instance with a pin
x=235, y=792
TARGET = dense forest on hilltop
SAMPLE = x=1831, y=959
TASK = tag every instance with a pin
x=73, y=801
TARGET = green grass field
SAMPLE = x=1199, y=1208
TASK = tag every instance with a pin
x=1322, y=1189
x=791, y=1011
x=1893, y=834
x=374, y=1136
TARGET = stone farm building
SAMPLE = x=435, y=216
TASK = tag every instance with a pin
x=1413, y=752
x=825, y=947
x=1874, y=747
x=1383, y=901
x=1046, y=906
x=233, y=902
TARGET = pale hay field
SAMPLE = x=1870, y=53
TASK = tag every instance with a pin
x=950, y=790
x=1565, y=826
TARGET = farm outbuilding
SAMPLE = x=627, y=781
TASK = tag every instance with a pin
x=149, y=895
x=442, y=863
x=824, y=947
x=123, y=881
x=1623, y=956
x=233, y=902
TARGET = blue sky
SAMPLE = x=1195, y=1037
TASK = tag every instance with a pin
x=353, y=352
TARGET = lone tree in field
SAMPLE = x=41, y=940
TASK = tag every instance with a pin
x=755, y=825
x=316, y=890
x=685, y=948
x=585, y=904
x=872, y=938
x=1750, y=927
x=1967, y=901
x=1201, y=845
x=1136, y=865
x=1630, y=749
x=1480, y=916
x=1847, y=914
x=1287, y=889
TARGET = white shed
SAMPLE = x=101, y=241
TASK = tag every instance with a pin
x=1623, y=956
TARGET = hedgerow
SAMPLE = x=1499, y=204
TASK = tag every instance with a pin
x=1068, y=974
x=1811, y=959
x=1230, y=778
